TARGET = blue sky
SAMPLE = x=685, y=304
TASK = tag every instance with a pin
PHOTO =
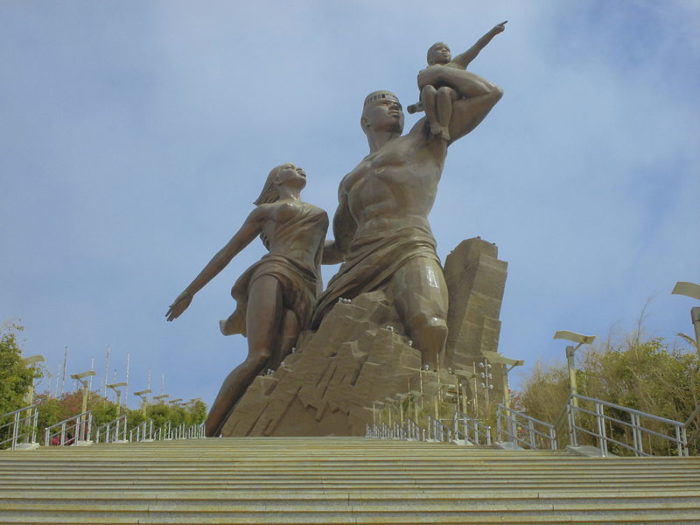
x=135, y=136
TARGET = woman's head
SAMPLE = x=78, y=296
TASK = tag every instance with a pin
x=284, y=174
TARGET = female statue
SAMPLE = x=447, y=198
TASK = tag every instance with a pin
x=276, y=296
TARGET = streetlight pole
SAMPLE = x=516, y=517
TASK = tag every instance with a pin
x=142, y=394
x=83, y=433
x=507, y=364
x=86, y=385
x=691, y=290
x=115, y=388
x=30, y=362
x=570, y=351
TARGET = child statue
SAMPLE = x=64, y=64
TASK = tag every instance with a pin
x=443, y=82
x=276, y=296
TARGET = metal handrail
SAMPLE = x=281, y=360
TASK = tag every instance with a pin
x=80, y=426
x=142, y=432
x=112, y=431
x=413, y=431
x=473, y=430
x=438, y=431
x=638, y=430
x=167, y=432
x=515, y=424
x=22, y=427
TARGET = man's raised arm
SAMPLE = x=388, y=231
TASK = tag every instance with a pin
x=467, y=113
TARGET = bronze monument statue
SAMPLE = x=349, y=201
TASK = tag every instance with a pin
x=444, y=81
x=275, y=297
x=381, y=228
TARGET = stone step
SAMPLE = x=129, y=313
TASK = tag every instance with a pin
x=339, y=480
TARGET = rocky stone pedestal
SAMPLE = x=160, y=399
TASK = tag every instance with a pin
x=359, y=357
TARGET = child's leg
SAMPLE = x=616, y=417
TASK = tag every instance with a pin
x=465, y=83
x=428, y=97
x=444, y=98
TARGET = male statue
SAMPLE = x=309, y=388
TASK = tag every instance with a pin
x=381, y=228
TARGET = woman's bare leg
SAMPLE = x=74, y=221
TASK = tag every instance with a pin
x=290, y=334
x=263, y=320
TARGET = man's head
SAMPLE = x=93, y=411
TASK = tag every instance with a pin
x=382, y=112
x=439, y=53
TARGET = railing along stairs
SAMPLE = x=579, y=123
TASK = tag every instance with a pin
x=625, y=429
x=19, y=429
x=113, y=431
x=523, y=430
x=612, y=428
x=471, y=430
x=75, y=430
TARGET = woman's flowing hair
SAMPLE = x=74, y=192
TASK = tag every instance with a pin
x=269, y=193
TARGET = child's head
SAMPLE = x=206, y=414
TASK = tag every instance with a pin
x=439, y=53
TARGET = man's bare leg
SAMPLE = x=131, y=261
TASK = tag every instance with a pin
x=420, y=296
x=263, y=319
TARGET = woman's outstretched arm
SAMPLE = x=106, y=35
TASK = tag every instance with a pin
x=243, y=237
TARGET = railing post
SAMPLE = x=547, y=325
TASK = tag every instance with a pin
x=600, y=420
x=531, y=433
x=499, y=423
x=682, y=440
x=553, y=438
x=571, y=418
x=15, y=431
x=35, y=425
x=637, y=435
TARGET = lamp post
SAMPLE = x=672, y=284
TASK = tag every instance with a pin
x=463, y=377
x=160, y=399
x=144, y=400
x=86, y=385
x=379, y=404
x=507, y=364
x=30, y=362
x=83, y=434
x=115, y=387
x=691, y=290
x=570, y=351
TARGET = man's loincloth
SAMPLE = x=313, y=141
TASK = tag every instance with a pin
x=373, y=259
x=298, y=290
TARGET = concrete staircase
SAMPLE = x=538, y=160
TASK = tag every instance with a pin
x=339, y=480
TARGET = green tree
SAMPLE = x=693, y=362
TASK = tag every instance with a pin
x=15, y=376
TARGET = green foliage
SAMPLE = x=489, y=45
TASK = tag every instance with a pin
x=15, y=376
x=647, y=375
x=53, y=410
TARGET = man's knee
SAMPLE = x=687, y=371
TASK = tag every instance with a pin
x=429, y=331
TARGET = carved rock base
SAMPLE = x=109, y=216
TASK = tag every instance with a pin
x=357, y=357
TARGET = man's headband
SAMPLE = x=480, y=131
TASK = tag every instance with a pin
x=379, y=95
